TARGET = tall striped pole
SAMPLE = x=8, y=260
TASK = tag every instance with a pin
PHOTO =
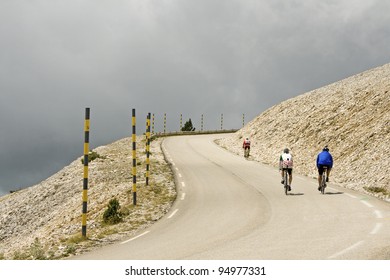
x=134, y=171
x=181, y=121
x=153, y=124
x=243, y=120
x=165, y=123
x=201, y=123
x=221, y=121
x=147, y=148
x=85, y=181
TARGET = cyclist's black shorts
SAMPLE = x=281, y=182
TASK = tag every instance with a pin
x=321, y=168
x=289, y=170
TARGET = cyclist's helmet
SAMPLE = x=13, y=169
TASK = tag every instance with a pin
x=286, y=150
x=326, y=148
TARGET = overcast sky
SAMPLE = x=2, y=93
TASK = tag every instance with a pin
x=187, y=57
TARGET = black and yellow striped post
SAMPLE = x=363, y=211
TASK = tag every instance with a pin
x=221, y=121
x=243, y=120
x=147, y=148
x=85, y=181
x=153, y=124
x=165, y=123
x=134, y=171
x=201, y=123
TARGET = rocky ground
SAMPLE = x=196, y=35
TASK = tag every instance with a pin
x=44, y=221
x=351, y=116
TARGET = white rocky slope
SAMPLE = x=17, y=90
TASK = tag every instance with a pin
x=351, y=116
x=44, y=221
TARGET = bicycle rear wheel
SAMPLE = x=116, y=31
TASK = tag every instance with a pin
x=285, y=182
x=323, y=183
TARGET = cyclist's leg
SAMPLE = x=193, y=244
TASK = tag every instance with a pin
x=328, y=173
x=282, y=173
x=289, y=178
x=320, y=171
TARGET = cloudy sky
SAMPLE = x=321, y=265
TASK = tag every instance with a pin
x=187, y=57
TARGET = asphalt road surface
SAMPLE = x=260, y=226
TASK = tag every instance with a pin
x=232, y=208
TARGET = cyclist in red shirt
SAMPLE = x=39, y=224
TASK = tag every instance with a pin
x=246, y=146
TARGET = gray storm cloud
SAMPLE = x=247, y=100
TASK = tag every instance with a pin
x=174, y=57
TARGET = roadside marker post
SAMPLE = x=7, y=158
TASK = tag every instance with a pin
x=165, y=123
x=85, y=180
x=153, y=124
x=147, y=148
x=134, y=171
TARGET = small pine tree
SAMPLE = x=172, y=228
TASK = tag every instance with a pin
x=188, y=126
x=112, y=215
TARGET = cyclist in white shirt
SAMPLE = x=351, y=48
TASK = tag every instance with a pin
x=286, y=164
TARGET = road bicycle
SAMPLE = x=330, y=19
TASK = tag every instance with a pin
x=246, y=152
x=323, y=180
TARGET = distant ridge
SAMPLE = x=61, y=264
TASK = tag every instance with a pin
x=352, y=116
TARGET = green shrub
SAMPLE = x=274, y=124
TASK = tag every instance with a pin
x=92, y=155
x=112, y=215
x=377, y=190
x=37, y=251
x=20, y=256
x=70, y=249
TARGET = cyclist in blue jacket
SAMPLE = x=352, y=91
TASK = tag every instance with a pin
x=324, y=159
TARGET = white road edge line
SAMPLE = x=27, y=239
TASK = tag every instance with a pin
x=138, y=236
x=378, y=214
x=183, y=195
x=366, y=203
x=346, y=250
x=350, y=195
x=376, y=228
x=174, y=212
x=183, y=184
x=180, y=175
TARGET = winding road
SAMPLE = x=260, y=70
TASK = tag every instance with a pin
x=231, y=208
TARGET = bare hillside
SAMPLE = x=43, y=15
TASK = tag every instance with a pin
x=44, y=221
x=352, y=116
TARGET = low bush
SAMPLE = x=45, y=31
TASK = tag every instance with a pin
x=112, y=215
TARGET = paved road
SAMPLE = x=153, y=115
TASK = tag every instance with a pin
x=231, y=208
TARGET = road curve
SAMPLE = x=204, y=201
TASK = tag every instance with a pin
x=231, y=208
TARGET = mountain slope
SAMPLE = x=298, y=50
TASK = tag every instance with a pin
x=352, y=116
x=44, y=221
